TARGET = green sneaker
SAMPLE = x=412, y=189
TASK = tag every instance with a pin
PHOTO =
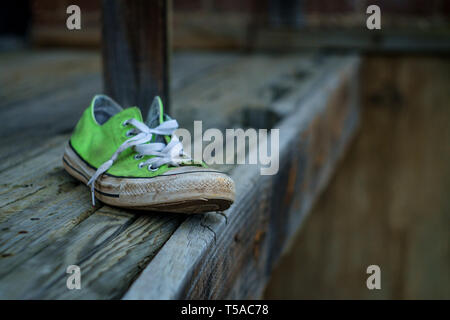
x=132, y=164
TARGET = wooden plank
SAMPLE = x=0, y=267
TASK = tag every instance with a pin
x=43, y=93
x=58, y=110
x=189, y=66
x=42, y=172
x=232, y=255
x=110, y=247
x=225, y=31
x=32, y=229
x=39, y=203
x=42, y=210
x=44, y=73
x=136, y=51
x=225, y=97
x=18, y=61
x=87, y=37
x=16, y=151
x=388, y=203
x=434, y=40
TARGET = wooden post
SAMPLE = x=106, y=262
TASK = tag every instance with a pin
x=135, y=48
x=287, y=13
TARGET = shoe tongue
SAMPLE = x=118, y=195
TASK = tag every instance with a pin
x=155, y=115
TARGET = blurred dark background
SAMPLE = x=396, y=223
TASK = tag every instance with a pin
x=388, y=204
x=250, y=24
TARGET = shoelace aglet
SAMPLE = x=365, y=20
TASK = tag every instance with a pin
x=93, y=195
x=91, y=184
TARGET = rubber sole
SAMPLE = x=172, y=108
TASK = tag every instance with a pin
x=181, y=190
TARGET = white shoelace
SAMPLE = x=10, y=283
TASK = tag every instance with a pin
x=171, y=154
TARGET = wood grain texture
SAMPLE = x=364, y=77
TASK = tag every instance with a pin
x=44, y=93
x=225, y=30
x=251, y=85
x=136, y=50
x=393, y=40
x=111, y=247
x=47, y=214
x=232, y=255
x=388, y=203
x=32, y=175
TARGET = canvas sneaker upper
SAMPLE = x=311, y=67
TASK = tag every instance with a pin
x=119, y=143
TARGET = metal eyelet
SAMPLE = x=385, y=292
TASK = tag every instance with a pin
x=150, y=168
x=130, y=133
x=138, y=156
x=125, y=123
x=141, y=165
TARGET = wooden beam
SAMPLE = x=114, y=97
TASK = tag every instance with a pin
x=136, y=51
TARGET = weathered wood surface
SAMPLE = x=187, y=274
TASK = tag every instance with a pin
x=42, y=94
x=46, y=219
x=223, y=30
x=136, y=51
x=45, y=93
x=110, y=247
x=231, y=255
x=388, y=203
x=45, y=215
x=432, y=41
